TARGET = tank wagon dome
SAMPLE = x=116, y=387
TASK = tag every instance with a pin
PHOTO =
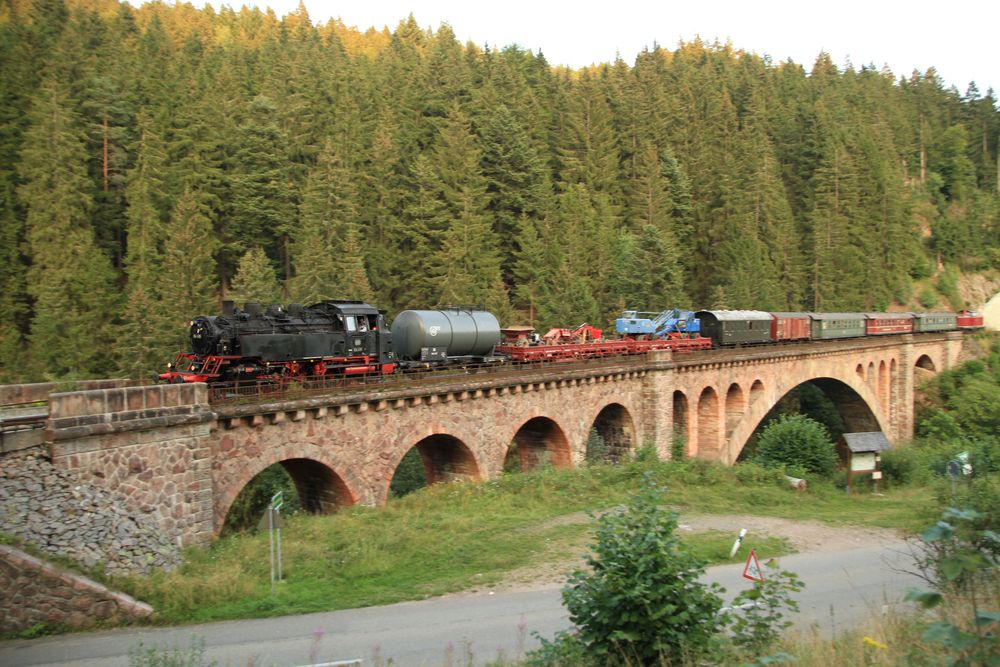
x=460, y=331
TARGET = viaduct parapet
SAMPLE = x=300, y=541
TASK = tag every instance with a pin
x=184, y=461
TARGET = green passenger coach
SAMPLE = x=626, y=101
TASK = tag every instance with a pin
x=827, y=326
x=925, y=322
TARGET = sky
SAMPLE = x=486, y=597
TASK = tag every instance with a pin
x=956, y=37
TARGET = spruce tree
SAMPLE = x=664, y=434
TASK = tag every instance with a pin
x=255, y=279
x=70, y=279
x=189, y=272
x=467, y=263
x=326, y=253
x=263, y=201
x=144, y=337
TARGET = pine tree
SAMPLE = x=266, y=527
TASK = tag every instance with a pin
x=255, y=279
x=70, y=279
x=467, y=263
x=380, y=195
x=189, y=269
x=424, y=222
x=144, y=337
x=326, y=253
x=648, y=275
x=531, y=272
x=263, y=196
x=834, y=269
x=517, y=181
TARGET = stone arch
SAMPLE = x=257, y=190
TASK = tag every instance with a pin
x=445, y=458
x=614, y=425
x=709, y=432
x=536, y=441
x=321, y=489
x=925, y=363
x=682, y=419
x=736, y=406
x=852, y=396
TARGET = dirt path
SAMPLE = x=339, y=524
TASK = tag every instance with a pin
x=804, y=536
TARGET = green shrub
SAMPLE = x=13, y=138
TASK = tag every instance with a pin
x=759, y=613
x=960, y=557
x=928, y=298
x=639, y=600
x=409, y=475
x=754, y=473
x=938, y=425
x=170, y=656
x=796, y=442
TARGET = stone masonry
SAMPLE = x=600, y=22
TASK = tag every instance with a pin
x=36, y=593
x=62, y=515
x=148, y=444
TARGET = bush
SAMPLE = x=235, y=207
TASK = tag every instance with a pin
x=796, y=441
x=960, y=558
x=759, y=613
x=639, y=601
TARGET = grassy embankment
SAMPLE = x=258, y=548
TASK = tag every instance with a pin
x=466, y=535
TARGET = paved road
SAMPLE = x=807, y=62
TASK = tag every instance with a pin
x=842, y=589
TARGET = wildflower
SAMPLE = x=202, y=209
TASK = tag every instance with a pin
x=868, y=641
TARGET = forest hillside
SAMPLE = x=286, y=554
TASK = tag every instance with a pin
x=155, y=160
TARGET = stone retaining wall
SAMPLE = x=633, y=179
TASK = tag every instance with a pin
x=63, y=515
x=33, y=592
x=147, y=444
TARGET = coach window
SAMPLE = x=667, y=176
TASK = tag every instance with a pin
x=350, y=323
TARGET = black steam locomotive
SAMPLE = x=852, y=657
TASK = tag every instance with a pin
x=331, y=338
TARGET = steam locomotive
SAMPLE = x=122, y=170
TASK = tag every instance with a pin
x=331, y=338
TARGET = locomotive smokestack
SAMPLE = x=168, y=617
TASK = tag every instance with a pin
x=228, y=307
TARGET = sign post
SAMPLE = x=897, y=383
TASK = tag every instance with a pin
x=272, y=520
x=277, y=502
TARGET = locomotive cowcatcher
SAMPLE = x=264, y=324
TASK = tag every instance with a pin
x=331, y=338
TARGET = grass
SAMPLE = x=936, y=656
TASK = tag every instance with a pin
x=463, y=535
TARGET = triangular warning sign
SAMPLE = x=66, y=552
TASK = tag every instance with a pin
x=752, y=571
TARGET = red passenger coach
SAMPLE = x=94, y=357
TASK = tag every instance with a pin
x=790, y=326
x=877, y=324
x=968, y=319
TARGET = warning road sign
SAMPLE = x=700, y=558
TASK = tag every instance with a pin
x=752, y=570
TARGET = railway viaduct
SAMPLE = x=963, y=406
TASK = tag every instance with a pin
x=184, y=460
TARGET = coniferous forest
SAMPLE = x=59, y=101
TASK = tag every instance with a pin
x=156, y=160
